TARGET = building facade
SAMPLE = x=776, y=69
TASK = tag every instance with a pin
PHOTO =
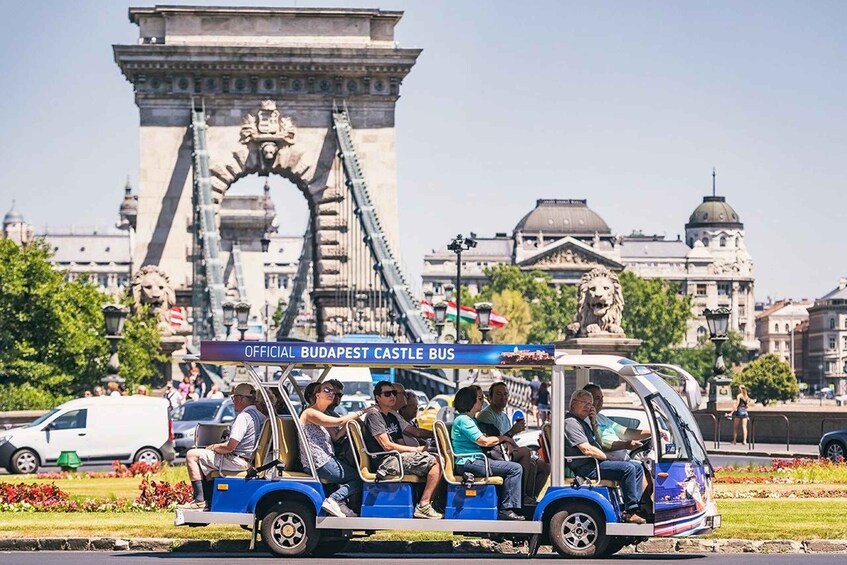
x=776, y=328
x=826, y=340
x=565, y=239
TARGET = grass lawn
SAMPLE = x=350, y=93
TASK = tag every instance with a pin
x=742, y=519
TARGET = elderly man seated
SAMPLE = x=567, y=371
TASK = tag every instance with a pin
x=232, y=455
x=581, y=441
x=617, y=440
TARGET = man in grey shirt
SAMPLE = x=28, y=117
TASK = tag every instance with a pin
x=580, y=441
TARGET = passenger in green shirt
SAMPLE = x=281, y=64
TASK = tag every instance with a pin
x=467, y=438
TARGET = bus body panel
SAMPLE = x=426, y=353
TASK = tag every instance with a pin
x=682, y=492
x=243, y=495
x=599, y=495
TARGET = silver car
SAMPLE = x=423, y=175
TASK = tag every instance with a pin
x=206, y=411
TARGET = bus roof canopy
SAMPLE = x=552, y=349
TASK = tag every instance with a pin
x=377, y=354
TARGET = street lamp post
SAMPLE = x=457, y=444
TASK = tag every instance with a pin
x=718, y=322
x=440, y=310
x=114, y=316
x=457, y=245
x=229, y=315
x=242, y=314
x=483, y=317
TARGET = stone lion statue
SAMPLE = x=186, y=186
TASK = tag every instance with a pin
x=600, y=305
x=151, y=286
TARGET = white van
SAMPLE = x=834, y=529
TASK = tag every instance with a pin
x=357, y=381
x=99, y=429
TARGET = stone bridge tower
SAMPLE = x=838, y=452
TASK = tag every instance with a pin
x=251, y=67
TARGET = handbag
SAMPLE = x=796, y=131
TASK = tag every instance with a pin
x=499, y=452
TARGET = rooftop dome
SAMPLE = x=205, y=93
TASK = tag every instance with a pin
x=13, y=216
x=714, y=212
x=562, y=217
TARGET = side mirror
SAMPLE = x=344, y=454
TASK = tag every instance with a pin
x=227, y=419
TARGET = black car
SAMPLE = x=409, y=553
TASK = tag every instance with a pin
x=833, y=445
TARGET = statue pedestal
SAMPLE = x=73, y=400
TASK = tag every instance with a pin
x=174, y=347
x=608, y=344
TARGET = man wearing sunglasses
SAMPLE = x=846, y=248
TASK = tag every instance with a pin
x=384, y=432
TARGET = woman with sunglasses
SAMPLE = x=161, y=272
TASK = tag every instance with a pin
x=318, y=441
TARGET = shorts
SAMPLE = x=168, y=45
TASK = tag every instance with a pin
x=210, y=461
x=741, y=413
x=544, y=407
x=417, y=464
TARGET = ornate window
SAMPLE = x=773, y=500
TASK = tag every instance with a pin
x=705, y=242
x=776, y=328
x=723, y=242
x=832, y=323
x=787, y=329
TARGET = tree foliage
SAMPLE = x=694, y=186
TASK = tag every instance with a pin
x=767, y=379
x=655, y=313
x=700, y=360
x=549, y=309
x=52, y=333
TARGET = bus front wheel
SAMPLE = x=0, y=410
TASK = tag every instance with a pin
x=578, y=530
x=288, y=529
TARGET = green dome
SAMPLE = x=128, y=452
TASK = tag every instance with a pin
x=714, y=212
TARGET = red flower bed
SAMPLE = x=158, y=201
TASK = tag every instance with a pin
x=163, y=495
x=120, y=471
x=34, y=494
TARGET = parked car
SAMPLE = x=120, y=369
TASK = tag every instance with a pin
x=833, y=445
x=353, y=402
x=427, y=416
x=206, y=411
x=98, y=429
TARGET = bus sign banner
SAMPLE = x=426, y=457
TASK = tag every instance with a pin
x=375, y=354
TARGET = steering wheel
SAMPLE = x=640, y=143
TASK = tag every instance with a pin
x=646, y=446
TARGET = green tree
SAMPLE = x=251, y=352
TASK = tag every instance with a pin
x=700, y=360
x=655, y=313
x=768, y=378
x=139, y=352
x=52, y=331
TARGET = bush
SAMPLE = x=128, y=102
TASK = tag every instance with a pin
x=768, y=378
x=161, y=495
x=27, y=397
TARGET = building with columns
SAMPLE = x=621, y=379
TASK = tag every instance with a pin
x=824, y=360
x=565, y=239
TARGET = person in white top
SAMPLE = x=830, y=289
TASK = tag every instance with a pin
x=232, y=455
x=215, y=392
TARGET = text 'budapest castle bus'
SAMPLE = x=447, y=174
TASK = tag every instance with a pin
x=592, y=504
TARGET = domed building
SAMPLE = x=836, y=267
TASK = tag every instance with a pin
x=565, y=239
x=15, y=227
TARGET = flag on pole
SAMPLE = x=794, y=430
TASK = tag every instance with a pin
x=468, y=314
x=177, y=316
x=427, y=310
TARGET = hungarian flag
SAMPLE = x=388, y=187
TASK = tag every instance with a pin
x=468, y=314
x=177, y=316
x=427, y=310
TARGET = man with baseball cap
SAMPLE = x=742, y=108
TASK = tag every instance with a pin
x=231, y=455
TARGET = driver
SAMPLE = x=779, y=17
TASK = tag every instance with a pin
x=581, y=441
x=616, y=440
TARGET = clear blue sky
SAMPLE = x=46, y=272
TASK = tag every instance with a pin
x=629, y=105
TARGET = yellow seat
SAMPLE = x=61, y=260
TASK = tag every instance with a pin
x=288, y=450
x=363, y=458
x=569, y=474
x=448, y=458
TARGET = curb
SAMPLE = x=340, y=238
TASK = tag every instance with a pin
x=654, y=545
x=770, y=454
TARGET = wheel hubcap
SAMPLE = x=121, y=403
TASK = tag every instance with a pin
x=289, y=530
x=148, y=457
x=835, y=452
x=580, y=531
x=26, y=463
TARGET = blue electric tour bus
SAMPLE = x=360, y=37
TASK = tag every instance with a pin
x=279, y=501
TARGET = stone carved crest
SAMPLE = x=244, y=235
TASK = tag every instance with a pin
x=151, y=286
x=563, y=257
x=269, y=130
x=600, y=305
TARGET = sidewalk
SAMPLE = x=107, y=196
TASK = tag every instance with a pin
x=763, y=450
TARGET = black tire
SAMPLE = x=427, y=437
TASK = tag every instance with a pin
x=288, y=529
x=835, y=451
x=24, y=462
x=578, y=530
x=149, y=455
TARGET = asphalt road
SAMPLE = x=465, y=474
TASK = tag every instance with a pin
x=127, y=558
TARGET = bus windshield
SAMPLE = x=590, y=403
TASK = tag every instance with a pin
x=683, y=416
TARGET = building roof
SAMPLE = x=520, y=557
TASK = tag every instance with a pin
x=87, y=248
x=13, y=216
x=785, y=308
x=635, y=247
x=714, y=211
x=498, y=246
x=284, y=250
x=557, y=217
x=838, y=293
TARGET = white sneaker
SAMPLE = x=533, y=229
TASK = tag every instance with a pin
x=332, y=508
x=193, y=505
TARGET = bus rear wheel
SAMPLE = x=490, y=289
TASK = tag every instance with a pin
x=288, y=529
x=578, y=530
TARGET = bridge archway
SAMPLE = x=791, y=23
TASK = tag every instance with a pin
x=242, y=65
